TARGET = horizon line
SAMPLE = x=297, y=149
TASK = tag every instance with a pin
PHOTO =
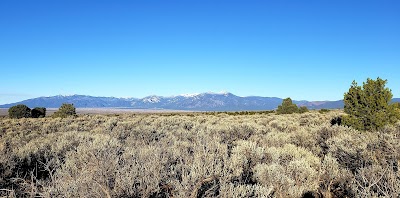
x=171, y=96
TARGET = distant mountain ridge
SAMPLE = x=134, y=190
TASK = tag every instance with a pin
x=197, y=102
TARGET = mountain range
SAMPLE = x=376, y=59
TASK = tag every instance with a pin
x=192, y=102
x=196, y=102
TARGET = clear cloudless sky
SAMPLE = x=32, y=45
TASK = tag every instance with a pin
x=309, y=50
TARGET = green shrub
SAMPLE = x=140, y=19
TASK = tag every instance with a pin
x=287, y=107
x=66, y=110
x=368, y=106
x=38, y=112
x=396, y=109
x=19, y=111
x=303, y=109
x=324, y=110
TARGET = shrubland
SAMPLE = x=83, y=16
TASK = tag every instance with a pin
x=197, y=155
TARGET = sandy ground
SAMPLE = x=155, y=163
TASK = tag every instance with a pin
x=104, y=111
x=3, y=112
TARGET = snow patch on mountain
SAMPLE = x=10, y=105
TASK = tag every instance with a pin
x=152, y=99
x=209, y=101
x=217, y=93
x=190, y=95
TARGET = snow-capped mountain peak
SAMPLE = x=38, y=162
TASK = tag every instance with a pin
x=152, y=99
x=208, y=101
x=189, y=95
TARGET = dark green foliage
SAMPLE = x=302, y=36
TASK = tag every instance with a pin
x=368, y=106
x=287, y=107
x=336, y=120
x=324, y=110
x=65, y=110
x=38, y=112
x=396, y=105
x=396, y=109
x=303, y=109
x=19, y=111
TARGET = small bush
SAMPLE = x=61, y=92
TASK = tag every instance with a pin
x=66, y=110
x=287, y=107
x=38, y=112
x=303, y=109
x=19, y=111
x=324, y=110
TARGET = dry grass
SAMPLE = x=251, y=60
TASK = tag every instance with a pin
x=196, y=155
x=105, y=111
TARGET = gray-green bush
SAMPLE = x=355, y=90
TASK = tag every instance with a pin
x=196, y=155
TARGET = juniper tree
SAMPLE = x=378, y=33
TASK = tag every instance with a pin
x=38, y=112
x=287, y=107
x=19, y=111
x=303, y=109
x=65, y=110
x=368, y=106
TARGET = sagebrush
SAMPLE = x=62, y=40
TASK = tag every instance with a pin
x=197, y=155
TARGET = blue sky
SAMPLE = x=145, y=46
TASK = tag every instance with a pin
x=309, y=50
